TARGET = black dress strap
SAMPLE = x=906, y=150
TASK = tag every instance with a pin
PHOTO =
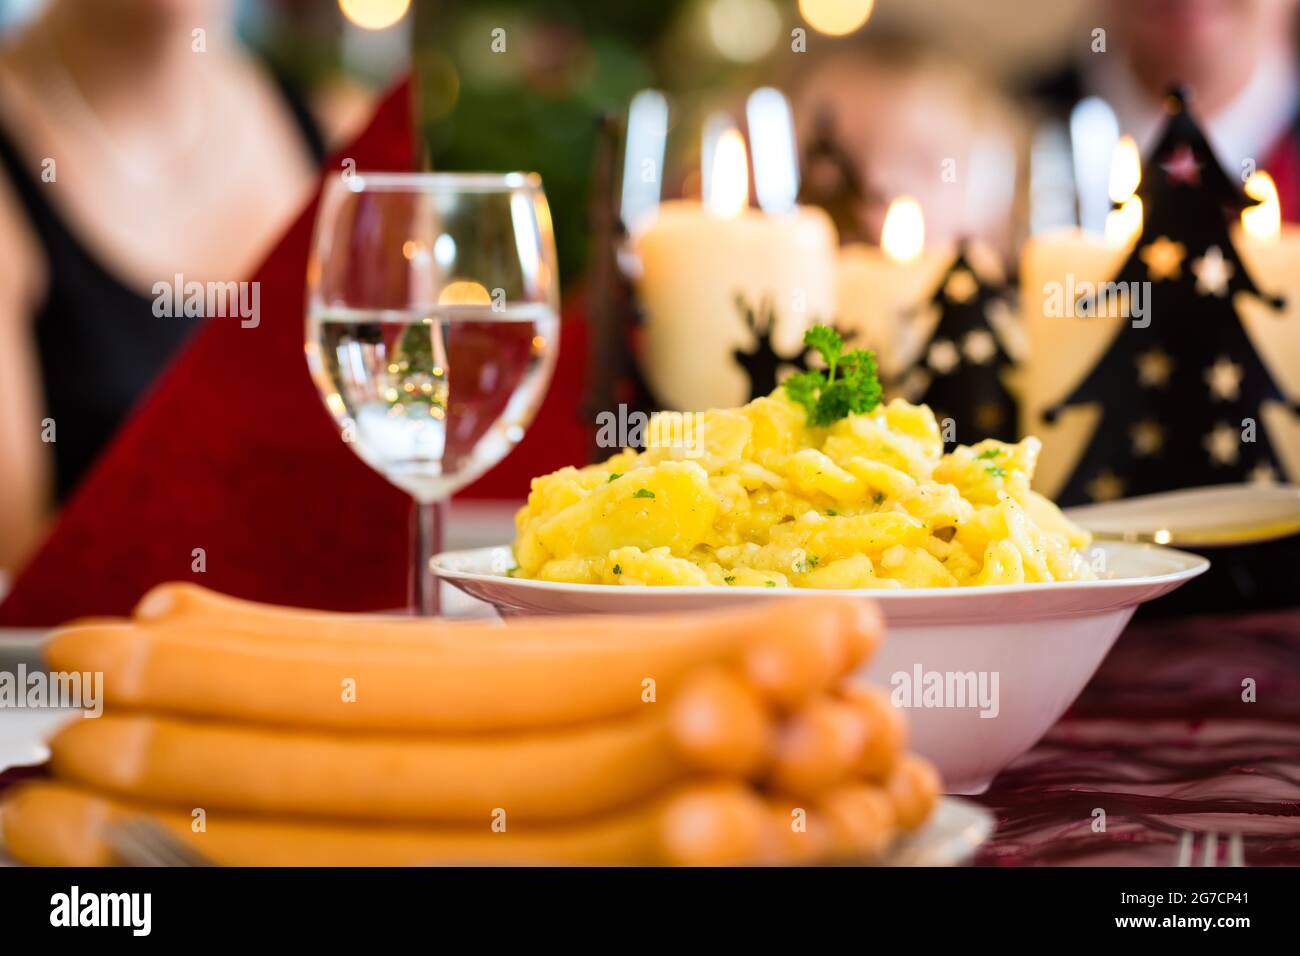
x=312, y=137
x=26, y=185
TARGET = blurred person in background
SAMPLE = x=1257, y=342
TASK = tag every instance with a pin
x=1238, y=59
x=138, y=140
x=881, y=117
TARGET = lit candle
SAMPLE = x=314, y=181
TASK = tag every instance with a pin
x=1056, y=269
x=1270, y=249
x=696, y=259
x=880, y=289
x=1124, y=222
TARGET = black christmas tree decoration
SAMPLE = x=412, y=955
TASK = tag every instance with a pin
x=961, y=369
x=831, y=179
x=1181, y=386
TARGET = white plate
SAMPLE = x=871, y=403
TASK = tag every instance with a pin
x=1036, y=644
x=950, y=837
x=1216, y=516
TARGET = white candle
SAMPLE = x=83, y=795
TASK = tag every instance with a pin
x=696, y=260
x=883, y=291
x=1056, y=269
x=1270, y=249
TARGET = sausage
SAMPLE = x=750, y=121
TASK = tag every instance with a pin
x=717, y=824
x=856, y=631
x=721, y=724
x=886, y=735
x=53, y=824
x=541, y=776
x=913, y=788
x=528, y=675
x=861, y=818
x=817, y=746
x=791, y=665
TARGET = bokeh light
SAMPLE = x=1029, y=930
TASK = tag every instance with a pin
x=903, y=235
x=743, y=30
x=835, y=17
x=374, y=14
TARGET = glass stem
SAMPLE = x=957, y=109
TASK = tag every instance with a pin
x=427, y=537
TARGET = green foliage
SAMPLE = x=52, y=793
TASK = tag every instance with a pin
x=521, y=109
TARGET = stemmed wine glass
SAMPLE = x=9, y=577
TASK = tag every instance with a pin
x=432, y=328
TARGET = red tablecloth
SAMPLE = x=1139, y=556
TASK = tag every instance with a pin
x=1160, y=742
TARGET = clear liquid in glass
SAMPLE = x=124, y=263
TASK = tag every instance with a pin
x=432, y=398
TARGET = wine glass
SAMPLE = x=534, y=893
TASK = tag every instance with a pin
x=432, y=328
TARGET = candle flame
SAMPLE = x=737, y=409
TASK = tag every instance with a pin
x=1124, y=224
x=903, y=235
x=1263, y=221
x=1125, y=170
x=729, y=178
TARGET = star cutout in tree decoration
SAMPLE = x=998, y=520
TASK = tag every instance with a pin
x=1148, y=438
x=979, y=346
x=1180, y=166
x=914, y=383
x=1154, y=368
x=1224, y=379
x=1224, y=444
x=1163, y=258
x=942, y=356
x=989, y=417
x=1106, y=486
x=1213, y=272
x=961, y=286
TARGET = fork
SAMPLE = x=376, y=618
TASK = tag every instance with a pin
x=1209, y=849
x=140, y=841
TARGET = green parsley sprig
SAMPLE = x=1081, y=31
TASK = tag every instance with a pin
x=850, y=383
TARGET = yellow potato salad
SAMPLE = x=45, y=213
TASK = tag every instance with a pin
x=758, y=498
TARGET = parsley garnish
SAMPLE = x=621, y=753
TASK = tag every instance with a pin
x=770, y=584
x=618, y=569
x=811, y=561
x=831, y=513
x=729, y=578
x=849, y=385
x=643, y=493
x=615, y=475
x=997, y=471
x=878, y=498
x=988, y=453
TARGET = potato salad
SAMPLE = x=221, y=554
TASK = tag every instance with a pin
x=781, y=493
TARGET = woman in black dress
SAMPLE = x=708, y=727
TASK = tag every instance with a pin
x=138, y=141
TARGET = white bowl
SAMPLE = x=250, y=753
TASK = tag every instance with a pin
x=1029, y=647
